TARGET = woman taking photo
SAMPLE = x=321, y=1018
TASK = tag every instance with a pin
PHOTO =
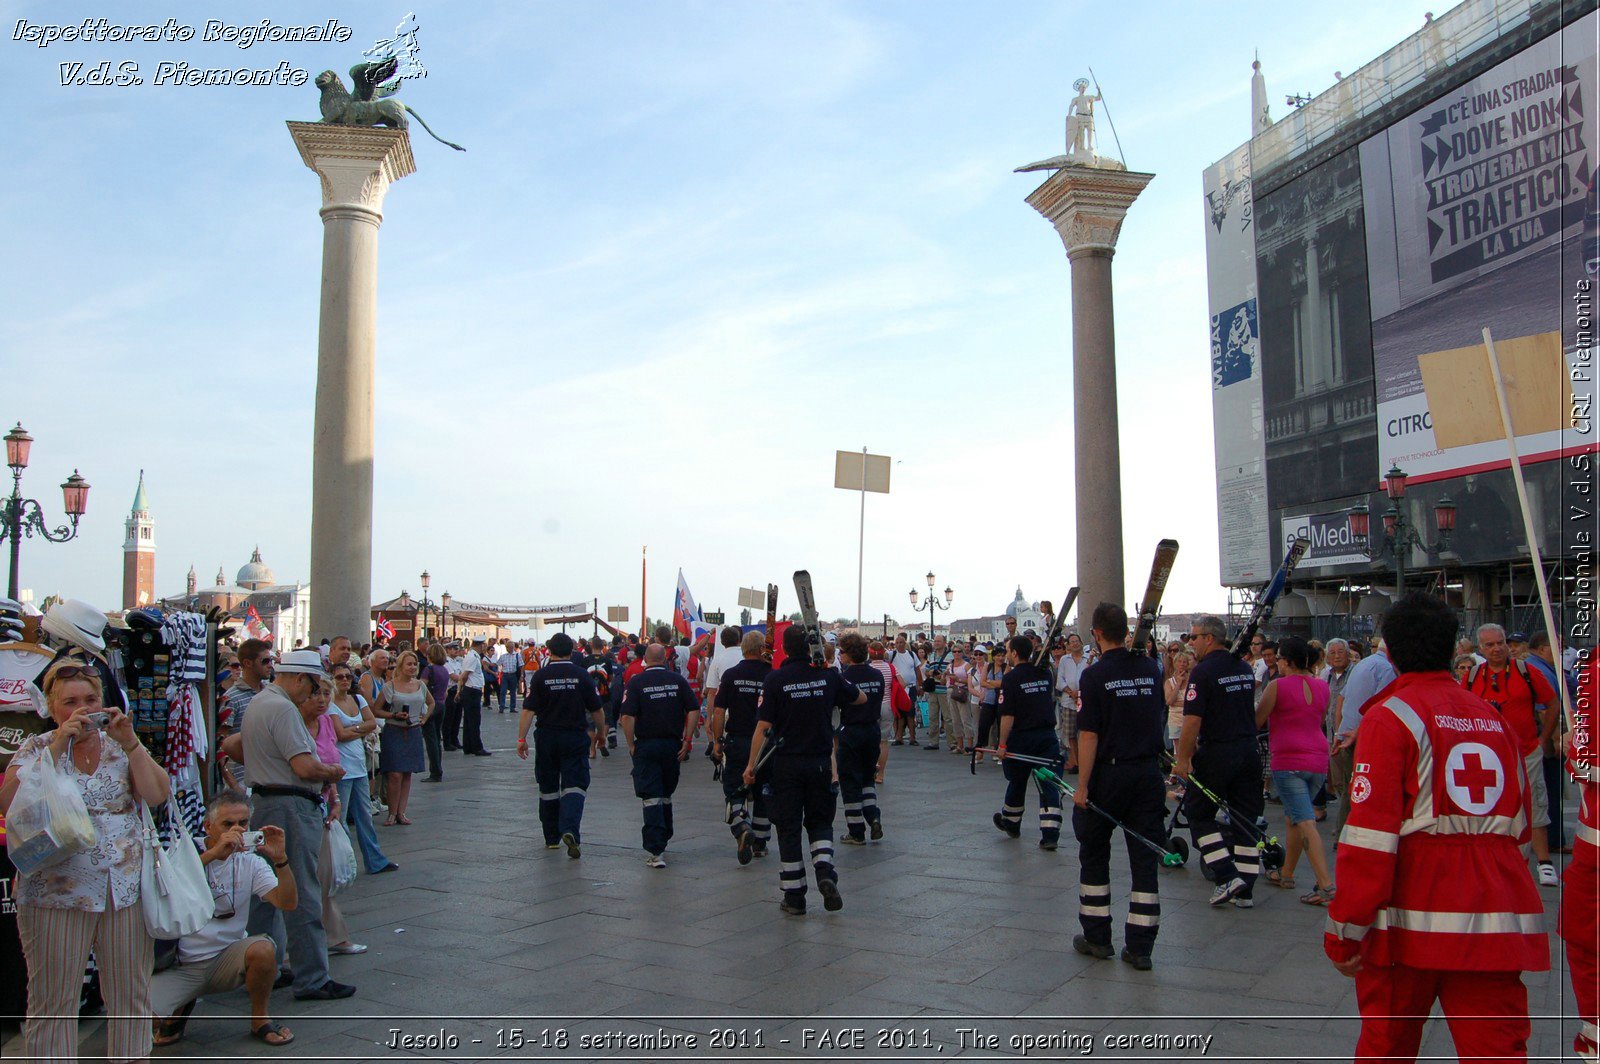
x=404, y=704
x=91, y=899
x=352, y=723
x=1292, y=708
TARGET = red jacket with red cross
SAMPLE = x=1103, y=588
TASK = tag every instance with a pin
x=1582, y=747
x=1430, y=870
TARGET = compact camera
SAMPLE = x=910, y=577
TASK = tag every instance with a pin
x=98, y=721
x=251, y=840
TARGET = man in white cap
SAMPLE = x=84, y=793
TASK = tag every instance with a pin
x=286, y=778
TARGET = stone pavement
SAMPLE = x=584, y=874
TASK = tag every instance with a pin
x=483, y=934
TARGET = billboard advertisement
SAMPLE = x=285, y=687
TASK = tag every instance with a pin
x=1236, y=391
x=1316, y=337
x=1475, y=210
x=1332, y=542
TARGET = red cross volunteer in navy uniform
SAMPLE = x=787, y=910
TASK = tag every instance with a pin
x=1435, y=901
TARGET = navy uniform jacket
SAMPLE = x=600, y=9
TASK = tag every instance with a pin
x=659, y=699
x=1123, y=705
x=868, y=681
x=1222, y=693
x=562, y=696
x=1028, y=694
x=739, y=696
x=798, y=700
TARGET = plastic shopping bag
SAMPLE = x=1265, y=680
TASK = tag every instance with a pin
x=48, y=821
x=342, y=855
x=922, y=711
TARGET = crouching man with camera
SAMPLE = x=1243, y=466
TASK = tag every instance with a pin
x=240, y=864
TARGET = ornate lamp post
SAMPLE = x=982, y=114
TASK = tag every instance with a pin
x=444, y=613
x=25, y=517
x=426, y=580
x=933, y=605
x=1399, y=536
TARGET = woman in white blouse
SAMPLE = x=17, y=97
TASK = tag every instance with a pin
x=91, y=899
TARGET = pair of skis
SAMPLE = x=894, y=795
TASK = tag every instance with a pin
x=1268, y=599
x=1149, y=604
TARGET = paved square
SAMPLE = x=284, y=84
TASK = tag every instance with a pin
x=947, y=925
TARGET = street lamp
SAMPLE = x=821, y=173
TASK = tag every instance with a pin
x=25, y=517
x=932, y=605
x=1399, y=536
x=426, y=580
x=444, y=614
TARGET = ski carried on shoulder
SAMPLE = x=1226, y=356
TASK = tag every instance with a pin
x=1150, y=604
x=1042, y=657
x=1268, y=599
x=772, y=620
x=809, y=617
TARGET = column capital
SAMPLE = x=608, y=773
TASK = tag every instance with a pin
x=1086, y=205
x=356, y=163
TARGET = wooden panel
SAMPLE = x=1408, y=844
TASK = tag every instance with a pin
x=1461, y=390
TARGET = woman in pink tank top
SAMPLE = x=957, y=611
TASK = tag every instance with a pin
x=1293, y=708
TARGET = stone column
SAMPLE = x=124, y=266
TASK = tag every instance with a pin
x=1086, y=205
x=356, y=166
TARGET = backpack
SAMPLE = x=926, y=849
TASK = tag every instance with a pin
x=602, y=679
x=1520, y=668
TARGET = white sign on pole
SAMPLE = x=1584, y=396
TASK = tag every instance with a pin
x=616, y=614
x=752, y=598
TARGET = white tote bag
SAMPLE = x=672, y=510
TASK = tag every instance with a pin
x=172, y=888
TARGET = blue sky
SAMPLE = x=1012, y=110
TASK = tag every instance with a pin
x=691, y=250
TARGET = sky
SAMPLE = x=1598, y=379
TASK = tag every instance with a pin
x=691, y=250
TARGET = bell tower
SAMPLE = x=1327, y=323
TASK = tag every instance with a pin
x=139, y=553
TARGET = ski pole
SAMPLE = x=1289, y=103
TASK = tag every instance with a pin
x=1168, y=858
x=1264, y=841
x=745, y=790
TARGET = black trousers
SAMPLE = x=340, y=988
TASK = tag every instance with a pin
x=988, y=714
x=1135, y=794
x=471, y=719
x=1035, y=742
x=561, y=768
x=430, y=741
x=803, y=797
x=748, y=815
x=655, y=779
x=452, y=719
x=1231, y=771
x=858, y=770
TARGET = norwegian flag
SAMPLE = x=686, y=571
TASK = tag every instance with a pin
x=254, y=625
x=385, y=629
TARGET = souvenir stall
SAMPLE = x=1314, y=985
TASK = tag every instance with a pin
x=21, y=715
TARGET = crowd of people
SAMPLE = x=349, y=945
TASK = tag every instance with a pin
x=333, y=735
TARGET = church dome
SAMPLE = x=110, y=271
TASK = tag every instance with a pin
x=1019, y=605
x=255, y=574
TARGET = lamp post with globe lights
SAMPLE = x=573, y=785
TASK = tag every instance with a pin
x=25, y=517
x=422, y=633
x=932, y=605
x=1399, y=535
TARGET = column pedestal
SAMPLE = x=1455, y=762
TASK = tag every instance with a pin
x=356, y=166
x=1086, y=205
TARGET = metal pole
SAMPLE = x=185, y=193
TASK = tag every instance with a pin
x=1401, y=545
x=861, y=543
x=14, y=519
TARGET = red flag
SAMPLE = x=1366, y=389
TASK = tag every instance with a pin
x=385, y=629
x=777, y=642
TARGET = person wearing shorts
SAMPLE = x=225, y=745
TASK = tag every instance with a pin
x=1293, y=707
x=221, y=957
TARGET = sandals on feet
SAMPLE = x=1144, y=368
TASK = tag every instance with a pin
x=272, y=1033
x=1278, y=879
x=1317, y=896
x=170, y=1030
